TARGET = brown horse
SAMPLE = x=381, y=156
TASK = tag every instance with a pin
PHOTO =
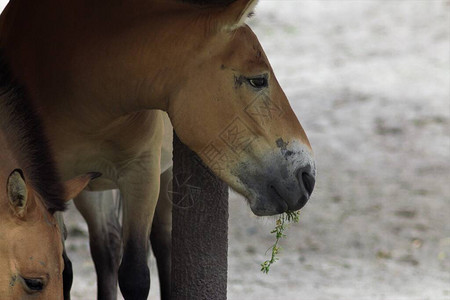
x=31, y=250
x=100, y=70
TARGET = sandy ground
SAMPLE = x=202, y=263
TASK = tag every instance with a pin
x=370, y=82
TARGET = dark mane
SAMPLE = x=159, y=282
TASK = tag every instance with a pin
x=25, y=135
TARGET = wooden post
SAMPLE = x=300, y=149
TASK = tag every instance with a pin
x=199, y=229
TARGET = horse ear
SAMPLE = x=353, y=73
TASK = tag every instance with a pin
x=75, y=185
x=235, y=14
x=17, y=193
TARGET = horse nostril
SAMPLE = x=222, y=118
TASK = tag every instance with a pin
x=308, y=182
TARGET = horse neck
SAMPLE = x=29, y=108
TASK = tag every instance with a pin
x=164, y=48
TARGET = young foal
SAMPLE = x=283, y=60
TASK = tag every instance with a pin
x=31, y=251
x=96, y=69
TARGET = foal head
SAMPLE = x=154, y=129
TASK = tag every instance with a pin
x=31, y=248
x=232, y=112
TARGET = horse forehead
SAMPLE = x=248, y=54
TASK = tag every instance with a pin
x=31, y=261
x=18, y=247
x=40, y=231
x=245, y=47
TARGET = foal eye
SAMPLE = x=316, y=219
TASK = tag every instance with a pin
x=258, y=82
x=34, y=284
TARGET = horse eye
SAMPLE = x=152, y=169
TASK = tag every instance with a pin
x=34, y=284
x=258, y=82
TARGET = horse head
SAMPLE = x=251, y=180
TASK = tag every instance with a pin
x=230, y=109
x=31, y=261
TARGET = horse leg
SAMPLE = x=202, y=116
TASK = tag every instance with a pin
x=67, y=271
x=67, y=276
x=100, y=210
x=139, y=186
x=161, y=235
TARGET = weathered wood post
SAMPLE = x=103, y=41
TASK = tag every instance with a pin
x=199, y=229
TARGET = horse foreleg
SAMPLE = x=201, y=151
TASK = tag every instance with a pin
x=100, y=210
x=161, y=235
x=139, y=187
x=67, y=276
x=67, y=271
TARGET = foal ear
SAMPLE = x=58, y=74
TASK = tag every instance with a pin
x=17, y=193
x=235, y=14
x=75, y=185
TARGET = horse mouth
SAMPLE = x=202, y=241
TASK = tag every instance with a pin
x=277, y=198
x=271, y=198
x=269, y=204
